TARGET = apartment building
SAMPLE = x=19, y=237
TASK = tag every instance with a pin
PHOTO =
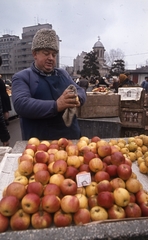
x=16, y=53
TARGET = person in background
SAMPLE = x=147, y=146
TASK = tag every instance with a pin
x=4, y=133
x=5, y=99
x=96, y=83
x=84, y=83
x=144, y=84
x=125, y=80
x=115, y=84
x=104, y=81
x=46, y=97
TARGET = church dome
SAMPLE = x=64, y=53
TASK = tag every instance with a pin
x=98, y=44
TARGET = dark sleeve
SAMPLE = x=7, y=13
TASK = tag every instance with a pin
x=4, y=134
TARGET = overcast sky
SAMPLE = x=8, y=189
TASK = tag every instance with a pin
x=120, y=24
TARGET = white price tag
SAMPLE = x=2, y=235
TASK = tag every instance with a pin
x=83, y=179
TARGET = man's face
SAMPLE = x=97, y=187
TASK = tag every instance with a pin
x=45, y=59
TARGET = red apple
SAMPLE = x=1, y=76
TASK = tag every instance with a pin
x=60, y=166
x=51, y=203
x=88, y=155
x=26, y=157
x=51, y=158
x=53, y=146
x=124, y=171
x=31, y=146
x=133, y=210
x=42, y=147
x=101, y=175
x=20, y=220
x=82, y=216
x=92, y=201
x=128, y=161
x=9, y=205
x=107, y=160
x=25, y=168
x=106, y=199
x=30, y=203
x=117, y=158
x=35, y=187
x=39, y=166
x=68, y=187
x=41, y=156
x=63, y=142
x=84, y=167
x=144, y=208
x=112, y=170
x=16, y=189
x=103, y=186
x=4, y=223
x=41, y=219
x=141, y=196
x=71, y=172
x=95, y=139
x=116, y=212
x=52, y=189
x=132, y=197
x=70, y=204
x=117, y=182
x=62, y=219
x=42, y=176
x=104, y=151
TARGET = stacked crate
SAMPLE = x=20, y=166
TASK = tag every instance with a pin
x=133, y=117
x=100, y=116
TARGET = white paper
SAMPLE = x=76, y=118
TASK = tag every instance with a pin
x=133, y=93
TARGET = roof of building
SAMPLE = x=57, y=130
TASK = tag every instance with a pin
x=98, y=44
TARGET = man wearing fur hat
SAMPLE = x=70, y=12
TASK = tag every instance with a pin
x=46, y=97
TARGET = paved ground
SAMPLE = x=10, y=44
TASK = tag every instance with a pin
x=15, y=132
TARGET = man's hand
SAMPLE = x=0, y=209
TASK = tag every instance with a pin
x=67, y=100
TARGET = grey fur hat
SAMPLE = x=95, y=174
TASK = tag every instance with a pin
x=45, y=38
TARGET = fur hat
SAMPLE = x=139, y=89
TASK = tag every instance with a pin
x=122, y=77
x=45, y=38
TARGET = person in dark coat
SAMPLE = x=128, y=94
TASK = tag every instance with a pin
x=4, y=133
x=6, y=104
x=43, y=95
x=84, y=83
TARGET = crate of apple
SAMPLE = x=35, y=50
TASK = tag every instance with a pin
x=45, y=194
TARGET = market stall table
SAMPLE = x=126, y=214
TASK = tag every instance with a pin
x=109, y=229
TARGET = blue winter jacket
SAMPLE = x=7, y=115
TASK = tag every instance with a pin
x=34, y=96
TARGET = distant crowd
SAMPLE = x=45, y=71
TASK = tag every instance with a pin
x=111, y=82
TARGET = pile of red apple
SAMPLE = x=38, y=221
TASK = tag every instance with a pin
x=45, y=192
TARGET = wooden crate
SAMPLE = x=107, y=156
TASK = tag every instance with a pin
x=133, y=118
x=99, y=105
x=132, y=132
x=146, y=101
x=134, y=104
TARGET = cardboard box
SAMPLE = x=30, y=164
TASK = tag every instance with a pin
x=132, y=97
x=100, y=105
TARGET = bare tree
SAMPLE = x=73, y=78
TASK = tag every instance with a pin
x=113, y=55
